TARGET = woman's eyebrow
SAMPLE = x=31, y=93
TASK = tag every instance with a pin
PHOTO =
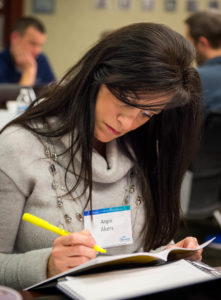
x=154, y=107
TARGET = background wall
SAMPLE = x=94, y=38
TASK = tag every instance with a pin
x=77, y=24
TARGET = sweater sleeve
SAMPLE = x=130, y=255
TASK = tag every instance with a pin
x=23, y=269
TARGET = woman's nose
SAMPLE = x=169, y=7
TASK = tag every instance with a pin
x=128, y=120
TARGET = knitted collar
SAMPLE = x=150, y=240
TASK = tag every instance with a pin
x=109, y=170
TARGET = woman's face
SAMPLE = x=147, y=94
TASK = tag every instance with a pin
x=114, y=118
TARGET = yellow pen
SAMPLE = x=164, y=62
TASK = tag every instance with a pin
x=46, y=225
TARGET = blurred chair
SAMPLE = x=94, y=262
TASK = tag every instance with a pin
x=8, y=91
x=201, y=188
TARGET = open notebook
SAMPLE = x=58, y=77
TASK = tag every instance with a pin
x=132, y=283
x=103, y=263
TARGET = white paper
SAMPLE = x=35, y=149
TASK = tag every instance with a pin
x=124, y=284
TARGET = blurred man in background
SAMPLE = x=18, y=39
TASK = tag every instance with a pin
x=23, y=62
x=203, y=29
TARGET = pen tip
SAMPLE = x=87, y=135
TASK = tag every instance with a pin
x=99, y=249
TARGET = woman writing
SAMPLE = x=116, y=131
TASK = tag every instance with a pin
x=115, y=135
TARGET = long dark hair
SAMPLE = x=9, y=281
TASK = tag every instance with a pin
x=142, y=58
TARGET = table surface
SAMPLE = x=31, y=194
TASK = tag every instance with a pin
x=31, y=295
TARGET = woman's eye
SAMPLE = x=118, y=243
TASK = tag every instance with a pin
x=147, y=114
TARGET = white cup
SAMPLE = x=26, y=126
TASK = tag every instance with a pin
x=7, y=293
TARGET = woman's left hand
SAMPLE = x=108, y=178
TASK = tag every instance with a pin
x=188, y=242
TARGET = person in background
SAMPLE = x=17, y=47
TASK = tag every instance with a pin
x=116, y=135
x=203, y=30
x=23, y=62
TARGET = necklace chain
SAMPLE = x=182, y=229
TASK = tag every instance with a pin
x=52, y=156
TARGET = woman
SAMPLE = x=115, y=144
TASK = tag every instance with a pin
x=118, y=131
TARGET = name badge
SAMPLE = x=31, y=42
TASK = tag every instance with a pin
x=110, y=227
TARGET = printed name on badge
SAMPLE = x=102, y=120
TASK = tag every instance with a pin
x=110, y=227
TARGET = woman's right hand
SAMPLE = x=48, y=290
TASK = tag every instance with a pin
x=70, y=251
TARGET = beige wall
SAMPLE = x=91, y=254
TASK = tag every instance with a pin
x=76, y=25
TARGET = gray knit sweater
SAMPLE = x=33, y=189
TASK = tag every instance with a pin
x=26, y=186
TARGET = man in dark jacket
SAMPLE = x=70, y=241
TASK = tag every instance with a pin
x=203, y=29
x=23, y=62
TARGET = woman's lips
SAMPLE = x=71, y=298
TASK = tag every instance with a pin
x=112, y=130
